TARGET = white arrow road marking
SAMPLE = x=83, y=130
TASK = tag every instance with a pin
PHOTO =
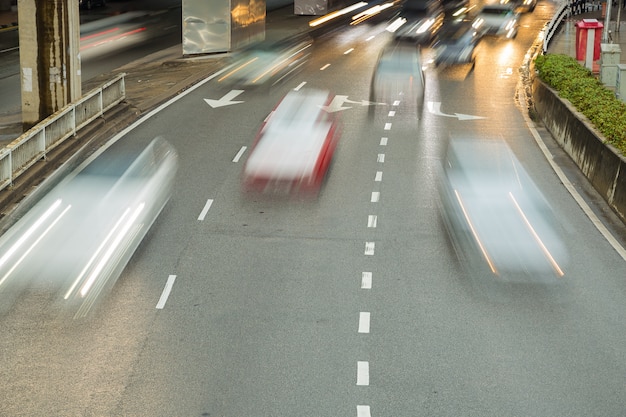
x=226, y=100
x=435, y=108
x=338, y=104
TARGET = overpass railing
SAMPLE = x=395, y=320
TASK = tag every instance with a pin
x=563, y=11
x=46, y=135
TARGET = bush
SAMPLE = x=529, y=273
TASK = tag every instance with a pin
x=587, y=94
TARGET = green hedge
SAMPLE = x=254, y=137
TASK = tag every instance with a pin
x=587, y=94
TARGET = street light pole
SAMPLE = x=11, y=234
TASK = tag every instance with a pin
x=607, y=19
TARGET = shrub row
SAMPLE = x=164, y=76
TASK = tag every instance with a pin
x=587, y=94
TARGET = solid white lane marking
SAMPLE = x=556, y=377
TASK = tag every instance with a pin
x=366, y=280
x=391, y=113
x=205, y=210
x=166, y=291
x=362, y=373
x=375, y=196
x=383, y=141
x=364, y=322
x=574, y=193
x=369, y=248
x=302, y=84
x=387, y=126
x=240, y=153
x=372, y=219
x=324, y=67
x=381, y=157
x=379, y=176
x=363, y=411
x=348, y=51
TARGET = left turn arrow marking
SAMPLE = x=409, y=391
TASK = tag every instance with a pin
x=226, y=100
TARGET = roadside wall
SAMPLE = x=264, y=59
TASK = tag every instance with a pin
x=601, y=163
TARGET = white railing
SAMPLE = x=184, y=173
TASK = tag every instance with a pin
x=34, y=144
x=561, y=13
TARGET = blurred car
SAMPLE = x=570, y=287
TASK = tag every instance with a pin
x=398, y=75
x=498, y=19
x=268, y=63
x=418, y=21
x=500, y=223
x=456, y=44
x=526, y=6
x=79, y=237
x=455, y=7
x=294, y=146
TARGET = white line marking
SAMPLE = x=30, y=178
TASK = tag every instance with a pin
x=568, y=185
x=383, y=141
x=369, y=38
x=396, y=103
x=369, y=248
x=240, y=153
x=363, y=411
x=391, y=113
x=379, y=176
x=380, y=158
x=348, y=51
x=302, y=84
x=372, y=219
x=362, y=373
x=166, y=291
x=205, y=210
x=324, y=67
x=387, y=126
x=366, y=280
x=375, y=197
x=364, y=322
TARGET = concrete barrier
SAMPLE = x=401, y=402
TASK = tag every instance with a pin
x=601, y=163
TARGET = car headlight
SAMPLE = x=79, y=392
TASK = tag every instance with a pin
x=425, y=26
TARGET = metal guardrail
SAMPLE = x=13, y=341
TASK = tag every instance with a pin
x=46, y=135
x=562, y=12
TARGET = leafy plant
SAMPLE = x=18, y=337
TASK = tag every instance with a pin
x=587, y=94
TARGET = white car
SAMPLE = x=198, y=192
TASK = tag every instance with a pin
x=497, y=19
x=294, y=146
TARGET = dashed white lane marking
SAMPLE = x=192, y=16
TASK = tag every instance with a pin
x=392, y=113
x=369, y=38
x=396, y=103
x=372, y=220
x=366, y=280
x=240, y=154
x=348, y=51
x=375, y=197
x=362, y=373
x=166, y=291
x=324, y=67
x=387, y=126
x=363, y=411
x=369, y=248
x=379, y=176
x=383, y=141
x=381, y=157
x=205, y=210
x=302, y=84
x=364, y=322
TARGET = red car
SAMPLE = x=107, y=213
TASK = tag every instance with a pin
x=294, y=146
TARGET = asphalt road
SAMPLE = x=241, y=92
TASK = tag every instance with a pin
x=267, y=313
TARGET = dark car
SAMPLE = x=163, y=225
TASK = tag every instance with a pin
x=457, y=43
x=419, y=21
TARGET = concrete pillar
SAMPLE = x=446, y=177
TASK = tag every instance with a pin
x=609, y=58
x=49, y=57
x=620, y=87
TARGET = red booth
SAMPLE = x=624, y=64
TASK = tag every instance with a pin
x=584, y=30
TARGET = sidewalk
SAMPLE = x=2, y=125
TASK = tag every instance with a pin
x=564, y=41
